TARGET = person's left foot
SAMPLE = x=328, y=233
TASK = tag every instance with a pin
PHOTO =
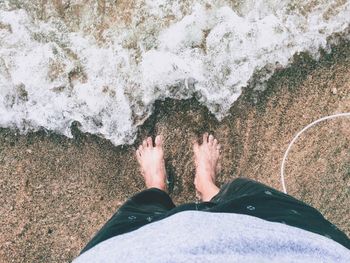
x=151, y=160
x=206, y=158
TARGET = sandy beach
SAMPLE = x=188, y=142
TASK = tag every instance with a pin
x=57, y=192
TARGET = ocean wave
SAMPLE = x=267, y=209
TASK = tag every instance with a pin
x=107, y=76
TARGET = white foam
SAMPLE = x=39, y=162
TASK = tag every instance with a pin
x=50, y=76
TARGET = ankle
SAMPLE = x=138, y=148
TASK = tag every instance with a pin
x=207, y=189
x=156, y=184
x=209, y=192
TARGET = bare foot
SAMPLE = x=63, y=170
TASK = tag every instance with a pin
x=206, y=157
x=151, y=160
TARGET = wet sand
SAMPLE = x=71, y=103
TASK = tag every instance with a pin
x=57, y=192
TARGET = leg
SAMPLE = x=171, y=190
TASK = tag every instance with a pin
x=147, y=206
x=245, y=196
x=241, y=187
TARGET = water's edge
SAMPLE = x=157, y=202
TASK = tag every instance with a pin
x=296, y=73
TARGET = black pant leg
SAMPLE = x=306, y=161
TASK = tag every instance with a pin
x=141, y=209
x=242, y=187
x=245, y=196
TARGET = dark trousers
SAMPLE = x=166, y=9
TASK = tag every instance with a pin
x=241, y=196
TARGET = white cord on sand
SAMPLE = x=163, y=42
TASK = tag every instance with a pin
x=346, y=114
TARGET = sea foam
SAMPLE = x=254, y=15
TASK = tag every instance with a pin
x=51, y=75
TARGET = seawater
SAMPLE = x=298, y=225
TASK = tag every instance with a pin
x=104, y=63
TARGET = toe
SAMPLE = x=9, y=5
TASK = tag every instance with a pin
x=205, y=137
x=211, y=139
x=144, y=143
x=159, y=141
x=149, y=142
x=218, y=147
x=140, y=149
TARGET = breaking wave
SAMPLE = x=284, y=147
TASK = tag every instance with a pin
x=104, y=66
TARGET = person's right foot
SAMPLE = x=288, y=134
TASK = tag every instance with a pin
x=206, y=157
x=151, y=160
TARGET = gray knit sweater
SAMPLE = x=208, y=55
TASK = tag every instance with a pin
x=194, y=236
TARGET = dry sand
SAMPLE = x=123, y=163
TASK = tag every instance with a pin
x=57, y=192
